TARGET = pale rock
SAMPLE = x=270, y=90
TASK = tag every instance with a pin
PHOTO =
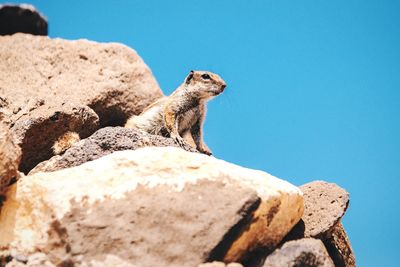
x=155, y=206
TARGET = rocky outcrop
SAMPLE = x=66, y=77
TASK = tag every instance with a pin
x=21, y=18
x=104, y=142
x=119, y=197
x=52, y=86
x=10, y=155
x=150, y=207
x=324, y=206
x=308, y=252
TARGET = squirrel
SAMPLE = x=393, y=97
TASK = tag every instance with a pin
x=181, y=115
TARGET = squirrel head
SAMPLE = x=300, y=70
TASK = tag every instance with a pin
x=205, y=84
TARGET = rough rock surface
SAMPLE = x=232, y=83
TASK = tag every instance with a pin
x=324, y=206
x=308, y=252
x=220, y=264
x=51, y=86
x=21, y=18
x=101, y=143
x=155, y=206
x=10, y=155
x=339, y=247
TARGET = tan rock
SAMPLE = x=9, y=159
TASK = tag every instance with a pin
x=51, y=86
x=10, y=155
x=150, y=207
x=220, y=264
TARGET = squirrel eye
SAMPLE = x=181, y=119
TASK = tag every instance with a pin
x=205, y=76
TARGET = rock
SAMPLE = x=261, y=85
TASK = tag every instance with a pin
x=308, y=252
x=35, y=260
x=52, y=86
x=339, y=247
x=220, y=264
x=155, y=206
x=21, y=18
x=101, y=143
x=325, y=204
x=10, y=155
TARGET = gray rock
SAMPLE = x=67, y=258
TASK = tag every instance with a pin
x=104, y=142
x=21, y=18
x=51, y=86
x=307, y=252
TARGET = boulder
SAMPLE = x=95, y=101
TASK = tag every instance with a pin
x=52, y=86
x=324, y=206
x=308, y=252
x=101, y=143
x=10, y=155
x=21, y=18
x=155, y=206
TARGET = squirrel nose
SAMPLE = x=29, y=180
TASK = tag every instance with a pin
x=223, y=86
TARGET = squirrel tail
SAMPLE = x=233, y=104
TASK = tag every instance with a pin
x=64, y=142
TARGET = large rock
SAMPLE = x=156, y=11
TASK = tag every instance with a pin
x=155, y=206
x=10, y=155
x=101, y=143
x=21, y=18
x=325, y=204
x=308, y=252
x=51, y=86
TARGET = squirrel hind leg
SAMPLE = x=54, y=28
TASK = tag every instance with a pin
x=64, y=142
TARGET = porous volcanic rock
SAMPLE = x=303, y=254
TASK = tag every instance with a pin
x=101, y=143
x=51, y=86
x=10, y=155
x=155, y=206
x=21, y=18
x=308, y=252
x=325, y=204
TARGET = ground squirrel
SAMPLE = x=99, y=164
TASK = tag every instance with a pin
x=181, y=114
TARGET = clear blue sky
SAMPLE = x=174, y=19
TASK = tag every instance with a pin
x=313, y=89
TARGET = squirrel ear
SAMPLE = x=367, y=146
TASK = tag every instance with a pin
x=189, y=77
